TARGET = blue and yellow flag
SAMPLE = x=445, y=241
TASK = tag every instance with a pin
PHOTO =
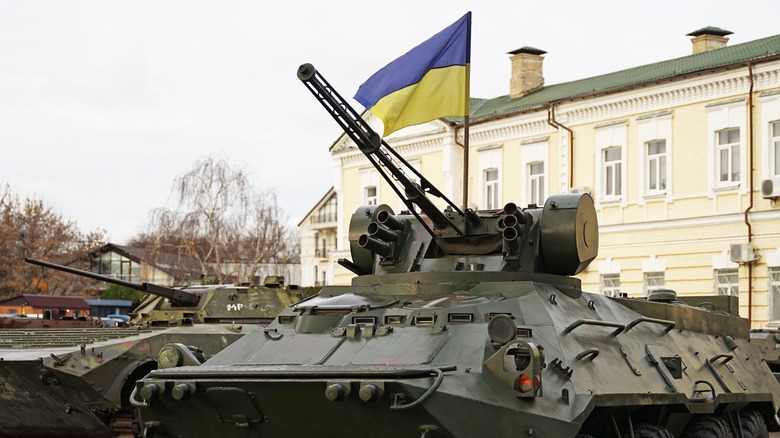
x=428, y=82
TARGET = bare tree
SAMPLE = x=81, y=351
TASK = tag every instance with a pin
x=222, y=222
x=29, y=228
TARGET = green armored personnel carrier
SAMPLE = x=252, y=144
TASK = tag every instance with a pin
x=77, y=382
x=470, y=324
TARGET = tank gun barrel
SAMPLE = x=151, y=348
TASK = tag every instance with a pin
x=371, y=143
x=179, y=296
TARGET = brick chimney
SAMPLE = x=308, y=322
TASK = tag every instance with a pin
x=526, y=71
x=709, y=38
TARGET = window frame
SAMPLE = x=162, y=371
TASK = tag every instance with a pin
x=535, y=183
x=491, y=189
x=732, y=149
x=615, y=169
x=773, y=287
x=647, y=276
x=370, y=199
x=609, y=284
x=774, y=149
x=726, y=288
x=661, y=162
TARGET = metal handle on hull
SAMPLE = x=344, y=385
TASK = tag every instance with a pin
x=135, y=402
x=426, y=394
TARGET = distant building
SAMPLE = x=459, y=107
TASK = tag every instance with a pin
x=34, y=305
x=319, y=242
x=138, y=265
x=681, y=156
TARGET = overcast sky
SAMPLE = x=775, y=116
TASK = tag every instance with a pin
x=104, y=103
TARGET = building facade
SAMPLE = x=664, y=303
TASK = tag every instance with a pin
x=682, y=158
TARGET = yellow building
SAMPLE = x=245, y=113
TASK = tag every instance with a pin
x=682, y=158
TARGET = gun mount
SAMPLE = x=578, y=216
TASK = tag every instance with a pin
x=463, y=324
x=176, y=295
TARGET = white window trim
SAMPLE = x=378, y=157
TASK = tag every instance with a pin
x=771, y=298
x=539, y=180
x=492, y=196
x=720, y=117
x=613, y=135
x=652, y=129
x=773, y=172
x=604, y=170
x=369, y=178
x=729, y=148
x=537, y=152
x=770, y=112
x=489, y=158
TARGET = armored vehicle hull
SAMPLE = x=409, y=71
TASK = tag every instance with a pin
x=71, y=382
x=406, y=364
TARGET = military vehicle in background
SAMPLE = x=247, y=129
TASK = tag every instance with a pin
x=76, y=382
x=51, y=319
x=463, y=324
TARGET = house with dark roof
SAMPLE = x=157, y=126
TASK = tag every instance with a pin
x=139, y=265
x=34, y=305
x=681, y=157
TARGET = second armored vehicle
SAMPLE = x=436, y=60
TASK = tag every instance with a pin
x=77, y=382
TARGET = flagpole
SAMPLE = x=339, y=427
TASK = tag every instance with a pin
x=466, y=141
x=466, y=164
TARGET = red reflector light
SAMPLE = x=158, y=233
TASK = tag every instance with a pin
x=524, y=383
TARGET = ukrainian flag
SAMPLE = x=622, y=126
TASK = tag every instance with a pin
x=428, y=82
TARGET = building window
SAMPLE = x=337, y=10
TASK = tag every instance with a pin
x=610, y=284
x=653, y=281
x=490, y=178
x=612, y=172
x=775, y=145
x=536, y=183
x=327, y=212
x=117, y=266
x=774, y=293
x=656, y=165
x=727, y=281
x=727, y=155
x=369, y=195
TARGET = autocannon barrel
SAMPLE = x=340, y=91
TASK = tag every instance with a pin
x=176, y=295
x=390, y=221
x=384, y=249
x=378, y=152
x=380, y=232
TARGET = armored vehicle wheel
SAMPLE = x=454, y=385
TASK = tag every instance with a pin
x=753, y=425
x=707, y=426
x=772, y=423
x=648, y=430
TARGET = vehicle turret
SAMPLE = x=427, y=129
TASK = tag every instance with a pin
x=195, y=304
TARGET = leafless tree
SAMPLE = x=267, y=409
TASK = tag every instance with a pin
x=29, y=228
x=220, y=220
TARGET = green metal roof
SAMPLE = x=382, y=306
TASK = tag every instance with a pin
x=700, y=62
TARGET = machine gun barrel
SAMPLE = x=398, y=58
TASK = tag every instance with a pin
x=179, y=296
x=369, y=142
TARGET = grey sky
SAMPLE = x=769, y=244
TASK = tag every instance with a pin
x=103, y=103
